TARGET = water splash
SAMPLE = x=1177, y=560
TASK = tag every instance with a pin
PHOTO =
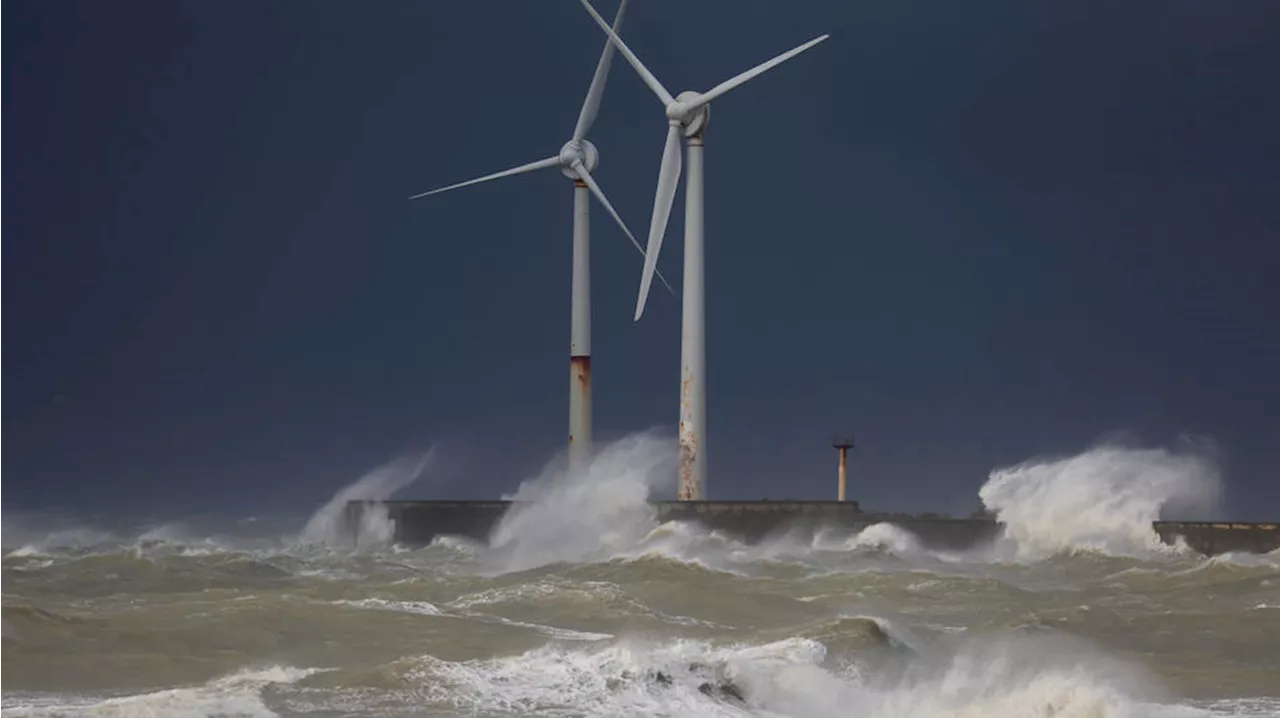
x=1103, y=500
x=886, y=537
x=330, y=525
x=796, y=677
x=595, y=511
x=44, y=532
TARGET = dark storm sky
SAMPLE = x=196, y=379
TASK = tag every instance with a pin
x=970, y=233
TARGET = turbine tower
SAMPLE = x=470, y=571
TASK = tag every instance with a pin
x=577, y=159
x=687, y=114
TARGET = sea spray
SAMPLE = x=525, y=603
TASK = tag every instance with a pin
x=1103, y=500
x=237, y=694
x=29, y=540
x=886, y=537
x=779, y=628
x=570, y=515
x=329, y=526
x=1050, y=676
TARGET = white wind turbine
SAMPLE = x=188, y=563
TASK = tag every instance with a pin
x=577, y=159
x=687, y=114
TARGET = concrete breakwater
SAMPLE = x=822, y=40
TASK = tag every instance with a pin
x=417, y=523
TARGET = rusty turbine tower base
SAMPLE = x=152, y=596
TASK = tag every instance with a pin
x=686, y=115
x=577, y=159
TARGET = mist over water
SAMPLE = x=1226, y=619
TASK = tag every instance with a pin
x=328, y=526
x=582, y=603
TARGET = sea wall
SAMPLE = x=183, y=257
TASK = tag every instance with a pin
x=417, y=523
x=752, y=521
x=1216, y=537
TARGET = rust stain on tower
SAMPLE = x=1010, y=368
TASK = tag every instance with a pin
x=688, y=458
x=689, y=489
x=580, y=366
x=582, y=372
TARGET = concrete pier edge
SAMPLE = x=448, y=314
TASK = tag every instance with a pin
x=418, y=523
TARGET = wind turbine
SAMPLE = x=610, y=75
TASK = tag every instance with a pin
x=577, y=159
x=687, y=114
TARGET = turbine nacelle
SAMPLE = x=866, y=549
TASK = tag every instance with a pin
x=575, y=153
x=691, y=111
x=577, y=158
x=687, y=115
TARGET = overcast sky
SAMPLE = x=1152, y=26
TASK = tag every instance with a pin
x=968, y=234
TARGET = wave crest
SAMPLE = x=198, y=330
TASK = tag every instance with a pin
x=1103, y=500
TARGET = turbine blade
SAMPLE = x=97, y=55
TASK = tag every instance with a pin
x=668, y=177
x=643, y=71
x=594, y=186
x=540, y=164
x=733, y=82
x=592, y=104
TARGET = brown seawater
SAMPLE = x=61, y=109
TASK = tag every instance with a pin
x=584, y=605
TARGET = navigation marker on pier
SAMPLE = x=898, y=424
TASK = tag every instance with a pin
x=842, y=444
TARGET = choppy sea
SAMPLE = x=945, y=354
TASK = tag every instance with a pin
x=582, y=604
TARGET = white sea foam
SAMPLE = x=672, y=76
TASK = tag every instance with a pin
x=239, y=694
x=886, y=536
x=1103, y=500
x=381, y=604
x=795, y=677
x=593, y=665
